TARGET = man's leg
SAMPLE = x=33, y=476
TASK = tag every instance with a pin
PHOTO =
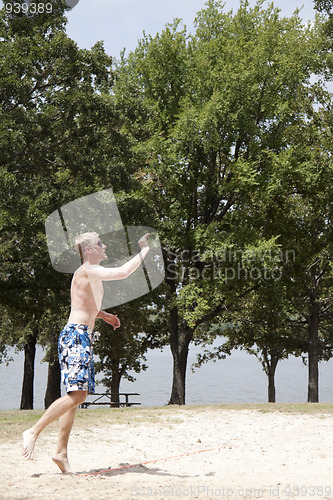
x=56, y=410
x=65, y=426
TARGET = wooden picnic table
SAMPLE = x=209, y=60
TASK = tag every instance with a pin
x=105, y=398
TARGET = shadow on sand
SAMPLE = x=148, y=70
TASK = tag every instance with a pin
x=126, y=469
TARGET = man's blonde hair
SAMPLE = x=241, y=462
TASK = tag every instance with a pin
x=83, y=241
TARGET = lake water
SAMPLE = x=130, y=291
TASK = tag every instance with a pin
x=237, y=379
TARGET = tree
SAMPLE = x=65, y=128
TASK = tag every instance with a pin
x=218, y=105
x=312, y=167
x=292, y=314
x=262, y=326
x=57, y=124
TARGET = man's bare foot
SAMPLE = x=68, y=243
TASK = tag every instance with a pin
x=29, y=440
x=62, y=463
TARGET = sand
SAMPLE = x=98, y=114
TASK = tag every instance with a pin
x=252, y=453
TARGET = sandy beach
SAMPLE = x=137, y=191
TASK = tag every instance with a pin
x=264, y=451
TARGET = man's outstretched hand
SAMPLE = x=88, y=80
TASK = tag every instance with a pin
x=143, y=243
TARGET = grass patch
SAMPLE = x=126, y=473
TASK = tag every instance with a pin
x=14, y=422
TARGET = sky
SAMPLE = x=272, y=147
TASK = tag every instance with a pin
x=121, y=23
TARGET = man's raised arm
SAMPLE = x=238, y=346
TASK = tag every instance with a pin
x=121, y=272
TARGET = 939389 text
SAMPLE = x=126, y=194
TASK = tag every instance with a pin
x=28, y=8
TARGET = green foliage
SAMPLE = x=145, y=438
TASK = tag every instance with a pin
x=222, y=173
x=324, y=6
x=59, y=142
x=221, y=140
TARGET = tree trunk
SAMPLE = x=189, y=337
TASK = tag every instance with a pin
x=271, y=368
x=313, y=327
x=27, y=396
x=115, y=385
x=180, y=338
x=53, y=390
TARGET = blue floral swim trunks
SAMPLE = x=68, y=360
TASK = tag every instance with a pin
x=76, y=357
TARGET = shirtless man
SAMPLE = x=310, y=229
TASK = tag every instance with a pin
x=76, y=339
